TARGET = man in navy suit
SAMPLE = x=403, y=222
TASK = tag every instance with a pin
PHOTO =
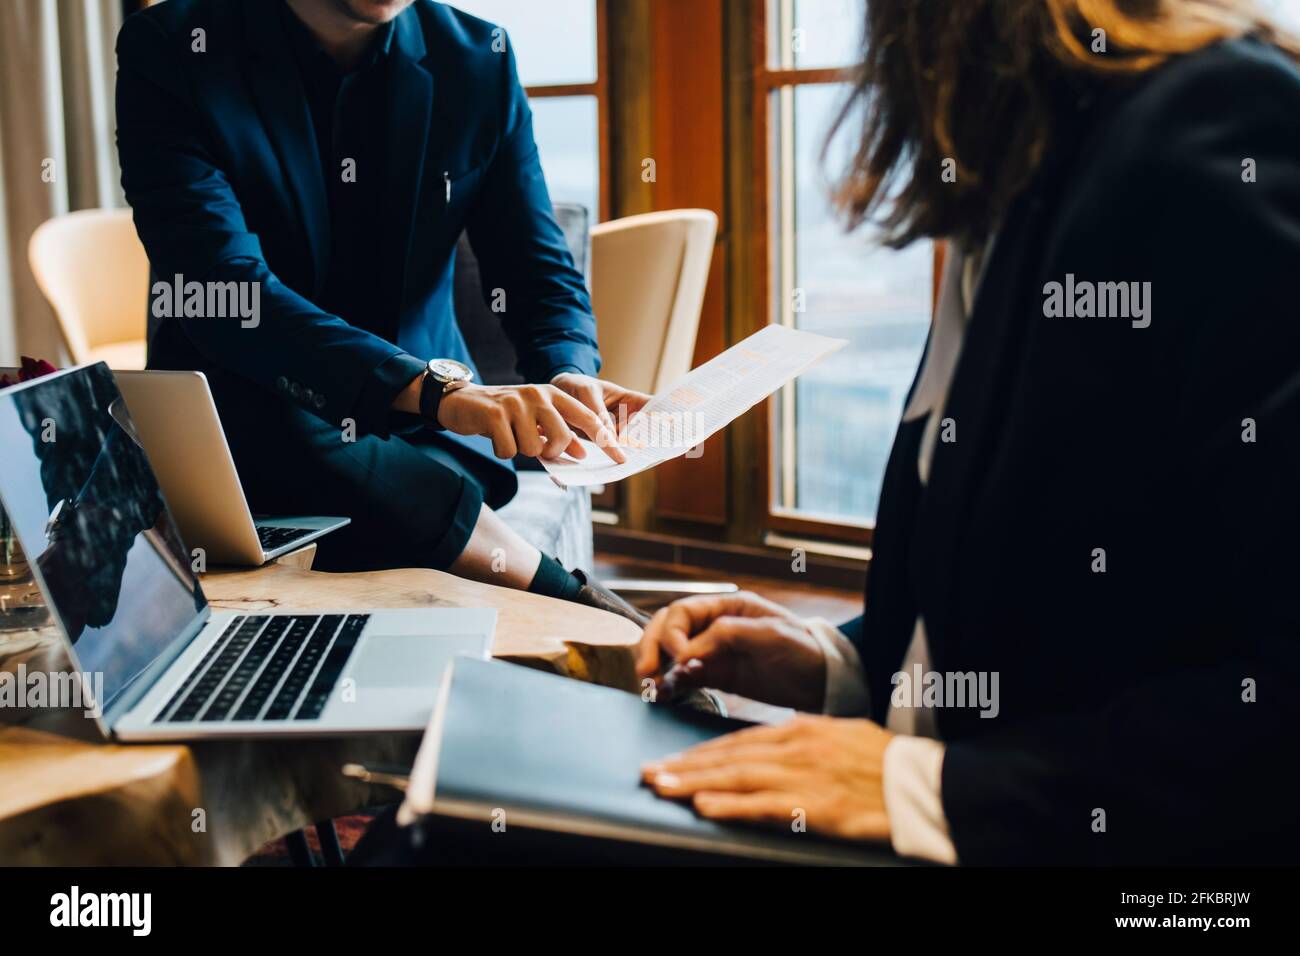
x=327, y=154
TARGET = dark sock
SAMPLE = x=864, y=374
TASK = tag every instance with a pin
x=552, y=580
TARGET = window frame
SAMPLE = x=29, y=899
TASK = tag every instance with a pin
x=600, y=90
x=774, y=264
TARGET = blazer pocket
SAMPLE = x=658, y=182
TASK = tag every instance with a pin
x=456, y=191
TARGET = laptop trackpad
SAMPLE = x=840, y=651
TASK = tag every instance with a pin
x=403, y=660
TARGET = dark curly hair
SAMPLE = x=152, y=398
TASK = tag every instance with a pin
x=977, y=83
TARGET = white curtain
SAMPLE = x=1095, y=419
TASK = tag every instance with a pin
x=57, y=73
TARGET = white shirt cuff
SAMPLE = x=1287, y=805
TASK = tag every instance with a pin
x=846, y=685
x=913, y=771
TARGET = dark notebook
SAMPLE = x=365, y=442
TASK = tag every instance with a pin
x=549, y=754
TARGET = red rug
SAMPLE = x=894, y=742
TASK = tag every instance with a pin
x=350, y=830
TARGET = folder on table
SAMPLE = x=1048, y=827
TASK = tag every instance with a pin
x=513, y=749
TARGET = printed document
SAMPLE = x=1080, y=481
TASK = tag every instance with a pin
x=702, y=402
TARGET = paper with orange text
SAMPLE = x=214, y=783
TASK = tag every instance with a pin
x=703, y=401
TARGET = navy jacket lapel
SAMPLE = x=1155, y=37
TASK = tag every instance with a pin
x=1005, y=305
x=979, y=388
x=278, y=91
x=410, y=106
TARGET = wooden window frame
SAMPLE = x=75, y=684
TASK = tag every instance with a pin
x=600, y=90
x=773, y=263
x=770, y=266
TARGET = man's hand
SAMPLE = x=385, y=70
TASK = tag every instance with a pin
x=827, y=771
x=534, y=420
x=739, y=643
x=613, y=403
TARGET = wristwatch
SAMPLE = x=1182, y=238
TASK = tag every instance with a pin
x=441, y=377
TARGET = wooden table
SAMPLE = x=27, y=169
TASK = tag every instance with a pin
x=67, y=797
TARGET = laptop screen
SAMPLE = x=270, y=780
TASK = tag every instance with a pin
x=93, y=524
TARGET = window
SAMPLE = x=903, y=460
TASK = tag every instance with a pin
x=559, y=49
x=1286, y=12
x=831, y=429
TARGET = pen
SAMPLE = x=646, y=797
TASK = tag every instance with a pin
x=668, y=683
x=388, y=776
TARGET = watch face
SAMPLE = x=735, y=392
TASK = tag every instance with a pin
x=449, y=370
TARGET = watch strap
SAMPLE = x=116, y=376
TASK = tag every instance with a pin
x=432, y=392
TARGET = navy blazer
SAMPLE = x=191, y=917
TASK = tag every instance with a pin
x=220, y=166
x=1163, y=692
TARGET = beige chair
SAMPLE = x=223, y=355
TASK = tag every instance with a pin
x=91, y=267
x=648, y=276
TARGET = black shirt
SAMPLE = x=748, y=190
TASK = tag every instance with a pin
x=347, y=114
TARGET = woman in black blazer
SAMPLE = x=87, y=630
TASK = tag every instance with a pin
x=1081, y=640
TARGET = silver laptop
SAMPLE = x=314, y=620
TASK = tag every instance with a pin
x=100, y=541
x=182, y=433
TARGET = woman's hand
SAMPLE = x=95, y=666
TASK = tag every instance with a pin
x=823, y=772
x=739, y=643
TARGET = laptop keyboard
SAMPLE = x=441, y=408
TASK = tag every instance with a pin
x=273, y=537
x=268, y=667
